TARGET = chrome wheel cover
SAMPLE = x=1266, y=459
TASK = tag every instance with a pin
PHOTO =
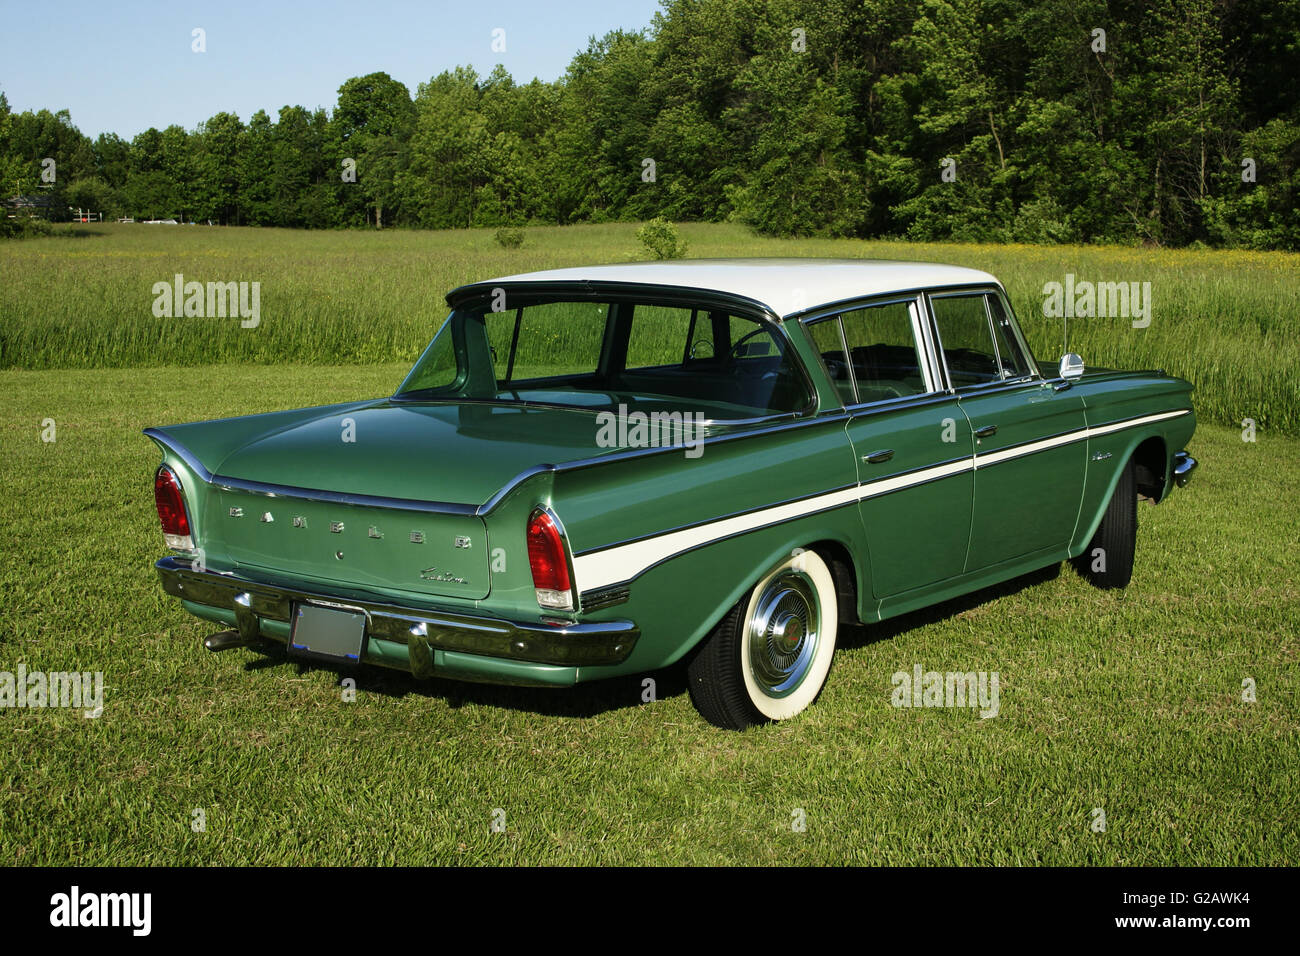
x=784, y=630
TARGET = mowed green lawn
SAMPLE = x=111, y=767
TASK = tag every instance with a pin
x=1129, y=702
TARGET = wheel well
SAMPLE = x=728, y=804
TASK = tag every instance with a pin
x=844, y=571
x=1151, y=463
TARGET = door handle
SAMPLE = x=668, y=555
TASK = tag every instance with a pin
x=876, y=457
x=986, y=431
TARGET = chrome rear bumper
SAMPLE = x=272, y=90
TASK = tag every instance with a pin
x=423, y=630
x=1184, y=465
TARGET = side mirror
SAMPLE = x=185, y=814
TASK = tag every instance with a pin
x=1071, y=366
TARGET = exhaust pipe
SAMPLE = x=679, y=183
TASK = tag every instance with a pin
x=225, y=640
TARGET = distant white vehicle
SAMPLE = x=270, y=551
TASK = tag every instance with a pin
x=161, y=222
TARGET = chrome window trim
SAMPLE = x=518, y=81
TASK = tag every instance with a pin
x=1035, y=371
x=916, y=313
x=651, y=293
x=837, y=318
x=848, y=356
x=993, y=336
x=1033, y=377
x=889, y=404
x=927, y=336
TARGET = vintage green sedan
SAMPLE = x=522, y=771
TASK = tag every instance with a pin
x=603, y=471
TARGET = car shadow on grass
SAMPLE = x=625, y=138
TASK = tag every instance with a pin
x=617, y=693
x=860, y=635
x=580, y=700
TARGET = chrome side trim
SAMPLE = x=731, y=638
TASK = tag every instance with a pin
x=596, y=600
x=340, y=497
x=1121, y=424
x=623, y=562
x=567, y=643
x=708, y=521
x=180, y=451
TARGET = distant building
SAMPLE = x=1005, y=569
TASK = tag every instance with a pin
x=39, y=206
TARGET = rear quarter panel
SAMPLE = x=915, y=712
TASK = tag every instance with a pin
x=677, y=601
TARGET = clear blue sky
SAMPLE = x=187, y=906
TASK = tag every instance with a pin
x=125, y=65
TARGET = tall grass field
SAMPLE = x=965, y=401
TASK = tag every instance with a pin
x=1227, y=321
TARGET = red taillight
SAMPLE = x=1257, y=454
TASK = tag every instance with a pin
x=170, y=499
x=549, y=562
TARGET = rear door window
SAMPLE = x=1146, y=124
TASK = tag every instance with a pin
x=883, y=351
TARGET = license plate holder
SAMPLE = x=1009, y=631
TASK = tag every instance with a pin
x=327, y=633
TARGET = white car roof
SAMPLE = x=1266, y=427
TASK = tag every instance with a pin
x=786, y=286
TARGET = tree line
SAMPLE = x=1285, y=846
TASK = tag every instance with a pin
x=1131, y=121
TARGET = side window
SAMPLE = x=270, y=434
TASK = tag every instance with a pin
x=699, y=346
x=546, y=340
x=826, y=339
x=658, y=336
x=968, y=348
x=1015, y=364
x=882, y=351
x=750, y=340
x=438, y=368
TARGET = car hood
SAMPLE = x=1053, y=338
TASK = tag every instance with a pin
x=458, y=453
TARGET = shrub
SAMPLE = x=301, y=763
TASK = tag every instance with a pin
x=660, y=238
x=21, y=227
x=509, y=238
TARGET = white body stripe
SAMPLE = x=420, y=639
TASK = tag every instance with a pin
x=626, y=561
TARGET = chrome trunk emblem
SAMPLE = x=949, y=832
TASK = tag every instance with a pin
x=462, y=541
x=299, y=521
x=236, y=512
x=336, y=527
x=433, y=574
x=417, y=537
x=374, y=532
x=267, y=517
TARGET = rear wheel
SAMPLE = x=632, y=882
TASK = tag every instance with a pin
x=1108, y=560
x=768, y=658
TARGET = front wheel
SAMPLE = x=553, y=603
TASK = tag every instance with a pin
x=1108, y=560
x=768, y=658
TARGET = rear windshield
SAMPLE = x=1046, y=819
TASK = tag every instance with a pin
x=602, y=354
